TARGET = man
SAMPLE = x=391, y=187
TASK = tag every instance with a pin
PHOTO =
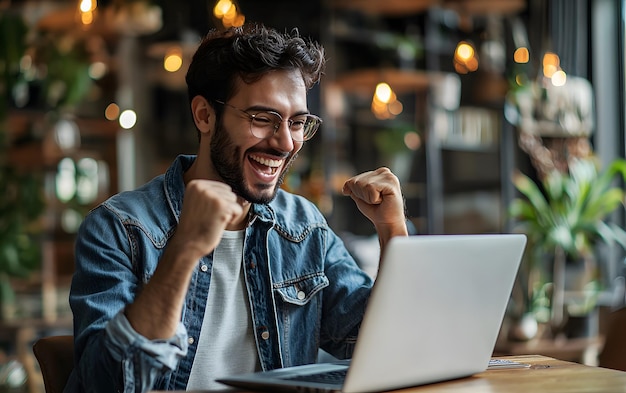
x=211, y=269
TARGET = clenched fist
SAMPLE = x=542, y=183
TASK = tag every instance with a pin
x=378, y=196
x=208, y=208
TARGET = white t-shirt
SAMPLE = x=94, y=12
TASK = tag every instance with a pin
x=226, y=345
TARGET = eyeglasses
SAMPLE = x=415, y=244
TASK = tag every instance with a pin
x=264, y=124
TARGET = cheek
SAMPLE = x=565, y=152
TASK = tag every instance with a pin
x=236, y=138
x=297, y=146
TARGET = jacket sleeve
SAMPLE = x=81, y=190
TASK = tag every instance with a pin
x=110, y=356
x=345, y=299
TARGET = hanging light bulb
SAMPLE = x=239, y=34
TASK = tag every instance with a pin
x=385, y=104
x=383, y=93
x=551, y=64
x=86, y=11
x=173, y=59
x=465, y=58
x=521, y=55
x=128, y=119
x=112, y=111
x=559, y=78
x=228, y=12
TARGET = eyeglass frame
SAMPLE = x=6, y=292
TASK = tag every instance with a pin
x=276, y=125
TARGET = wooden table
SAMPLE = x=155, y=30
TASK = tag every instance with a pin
x=546, y=375
x=580, y=350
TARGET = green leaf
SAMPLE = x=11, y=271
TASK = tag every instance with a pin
x=527, y=187
x=523, y=210
x=568, y=209
x=618, y=233
x=603, y=205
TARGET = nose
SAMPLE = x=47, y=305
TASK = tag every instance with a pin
x=282, y=138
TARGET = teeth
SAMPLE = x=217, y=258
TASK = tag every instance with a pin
x=267, y=161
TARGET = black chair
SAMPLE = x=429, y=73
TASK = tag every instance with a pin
x=55, y=355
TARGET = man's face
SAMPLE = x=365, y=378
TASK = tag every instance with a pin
x=255, y=168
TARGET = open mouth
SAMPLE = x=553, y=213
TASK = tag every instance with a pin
x=265, y=166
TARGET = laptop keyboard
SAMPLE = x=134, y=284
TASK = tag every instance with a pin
x=335, y=377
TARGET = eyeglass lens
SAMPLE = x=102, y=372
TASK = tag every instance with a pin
x=265, y=124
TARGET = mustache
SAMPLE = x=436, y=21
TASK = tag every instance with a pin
x=271, y=152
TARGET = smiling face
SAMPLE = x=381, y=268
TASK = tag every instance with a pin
x=253, y=167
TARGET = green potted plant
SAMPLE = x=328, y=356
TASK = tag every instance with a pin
x=49, y=71
x=564, y=216
x=21, y=205
x=21, y=199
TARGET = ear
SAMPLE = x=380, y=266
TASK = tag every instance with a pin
x=203, y=114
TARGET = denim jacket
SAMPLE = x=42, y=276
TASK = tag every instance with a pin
x=305, y=290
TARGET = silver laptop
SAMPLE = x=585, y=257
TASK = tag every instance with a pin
x=434, y=315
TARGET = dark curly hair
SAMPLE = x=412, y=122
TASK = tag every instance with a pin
x=249, y=52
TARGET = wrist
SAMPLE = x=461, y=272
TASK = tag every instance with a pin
x=387, y=231
x=181, y=248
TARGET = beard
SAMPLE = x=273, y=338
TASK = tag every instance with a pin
x=225, y=156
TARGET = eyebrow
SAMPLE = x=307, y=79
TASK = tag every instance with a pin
x=261, y=108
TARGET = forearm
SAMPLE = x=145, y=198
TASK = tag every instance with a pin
x=142, y=361
x=157, y=309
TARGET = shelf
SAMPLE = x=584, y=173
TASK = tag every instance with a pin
x=469, y=147
x=110, y=22
x=397, y=8
x=462, y=163
x=485, y=7
x=401, y=81
x=385, y=7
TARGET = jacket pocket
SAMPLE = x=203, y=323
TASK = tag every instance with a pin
x=301, y=290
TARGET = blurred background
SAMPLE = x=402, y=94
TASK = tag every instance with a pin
x=458, y=97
